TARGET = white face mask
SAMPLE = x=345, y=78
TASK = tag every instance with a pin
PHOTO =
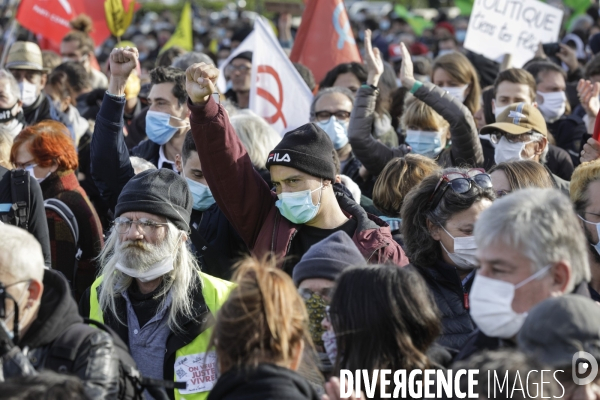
x=491, y=305
x=28, y=93
x=330, y=345
x=155, y=271
x=498, y=110
x=12, y=127
x=30, y=168
x=554, y=105
x=507, y=151
x=456, y=92
x=464, y=251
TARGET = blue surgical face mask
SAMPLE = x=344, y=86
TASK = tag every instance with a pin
x=202, y=195
x=597, y=245
x=425, y=143
x=336, y=131
x=158, y=128
x=384, y=24
x=461, y=34
x=298, y=207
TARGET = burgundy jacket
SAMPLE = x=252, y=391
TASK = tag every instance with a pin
x=249, y=204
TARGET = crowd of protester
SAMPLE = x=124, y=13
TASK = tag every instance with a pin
x=436, y=211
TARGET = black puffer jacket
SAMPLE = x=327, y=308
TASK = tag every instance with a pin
x=374, y=155
x=266, y=382
x=451, y=298
x=95, y=363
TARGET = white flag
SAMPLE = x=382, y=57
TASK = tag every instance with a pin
x=278, y=92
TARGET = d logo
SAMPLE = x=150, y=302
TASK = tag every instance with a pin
x=278, y=103
x=344, y=33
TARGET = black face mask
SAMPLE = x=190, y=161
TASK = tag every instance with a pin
x=6, y=114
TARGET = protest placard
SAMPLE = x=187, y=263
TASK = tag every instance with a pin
x=499, y=27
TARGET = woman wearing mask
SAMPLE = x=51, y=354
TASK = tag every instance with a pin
x=47, y=152
x=437, y=125
x=514, y=175
x=455, y=74
x=384, y=318
x=259, y=337
x=394, y=183
x=438, y=218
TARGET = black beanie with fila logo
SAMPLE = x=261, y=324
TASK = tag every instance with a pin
x=308, y=149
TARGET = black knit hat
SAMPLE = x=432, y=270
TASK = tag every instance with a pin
x=160, y=192
x=246, y=55
x=307, y=149
x=328, y=258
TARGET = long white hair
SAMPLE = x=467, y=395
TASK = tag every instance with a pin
x=180, y=282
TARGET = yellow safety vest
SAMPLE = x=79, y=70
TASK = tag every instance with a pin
x=192, y=362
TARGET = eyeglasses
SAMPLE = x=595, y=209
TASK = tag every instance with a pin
x=306, y=293
x=496, y=136
x=239, y=68
x=122, y=225
x=459, y=183
x=30, y=163
x=340, y=115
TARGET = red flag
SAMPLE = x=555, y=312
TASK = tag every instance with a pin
x=324, y=38
x=50, y=18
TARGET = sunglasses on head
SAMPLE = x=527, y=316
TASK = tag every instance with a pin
x=459, y=183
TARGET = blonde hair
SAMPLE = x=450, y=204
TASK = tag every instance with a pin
x=6, y=143
x=583, y=175
x=460, y=69
x=420, y=114
x=263, y=321
x=398, y=177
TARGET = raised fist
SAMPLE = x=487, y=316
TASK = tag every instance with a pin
x=123, y=61
x=200, y=82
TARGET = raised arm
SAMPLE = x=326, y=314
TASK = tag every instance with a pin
x=110, y=165
x=373, y=154
x=240, y=192
x=466, y=147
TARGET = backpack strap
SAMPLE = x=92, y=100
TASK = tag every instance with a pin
x=19, y=191
x=67, y=215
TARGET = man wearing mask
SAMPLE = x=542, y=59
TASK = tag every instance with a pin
x=11, y=107
x=151, y=290
x=568, y=130
x=520, y=134
x=585, y=186
x=304, y=210
x=215, y=242
x=530, y=247
x=41, y=318
x=24, y=61
x=330, y=110
x=516, y=85
x=239, y=72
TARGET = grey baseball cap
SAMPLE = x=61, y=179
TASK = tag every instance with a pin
x=559, y=327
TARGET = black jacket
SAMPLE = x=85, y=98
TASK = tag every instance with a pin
x=266, y=382
x=38, y=226
x=202, y=320
x=478, y=341
x=568, y=132
x=450, y=296
x=38, y=111
x=213, y=237
x=96, y=362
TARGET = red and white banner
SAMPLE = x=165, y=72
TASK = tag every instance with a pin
x=324, y=38
x=278, y=93
x=50, y=18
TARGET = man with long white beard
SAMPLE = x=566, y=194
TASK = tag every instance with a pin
x=151, y=290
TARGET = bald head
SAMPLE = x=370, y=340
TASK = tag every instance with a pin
x=21, y=255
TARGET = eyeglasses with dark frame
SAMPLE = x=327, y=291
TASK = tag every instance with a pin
x=460, y=183
x=340, y=115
